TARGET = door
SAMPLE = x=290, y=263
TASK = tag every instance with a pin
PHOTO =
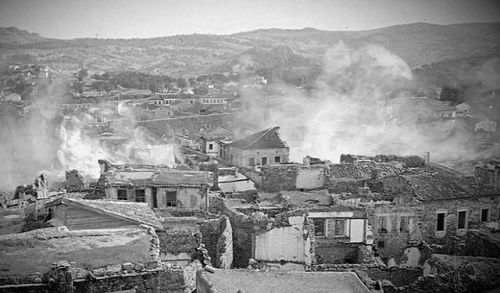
x=357, y=230
x=264, y=161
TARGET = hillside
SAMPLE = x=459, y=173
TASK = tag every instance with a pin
x=293, y=52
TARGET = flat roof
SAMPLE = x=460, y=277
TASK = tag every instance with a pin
x=284, y=282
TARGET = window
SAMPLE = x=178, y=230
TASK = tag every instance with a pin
x=210, y=146
x=440, y=222
x=264, y=161
x=319, y=227
x=155, y=197
x=381, y=244
x=339, y=227
x=484, y=215
x=277, y=159
x=171, y=198
x=382, y=225
x=122, y=194
x=251, y=162
x=140, y=195
x=462, y=218
x=403, y=224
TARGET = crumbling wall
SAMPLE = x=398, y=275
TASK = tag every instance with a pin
x=243, y=229
x=213, y=167
x=74, y=181
x=65, y=277
x=335, y=252
x=343, y=185
x=218, y=240
x=253, y=175
x=177, y=242
x=224, y=258
x=279, y=177
x=310, y=178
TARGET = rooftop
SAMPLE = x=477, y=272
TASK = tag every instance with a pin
x=156, y=177
x=36, y=251
x=265, y=139
x=277, y=282
x=431, y=183
x=140, y=213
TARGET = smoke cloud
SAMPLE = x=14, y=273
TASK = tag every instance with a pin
x=362, y=105
x=45, y=140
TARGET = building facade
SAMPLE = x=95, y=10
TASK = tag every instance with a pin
x=259, y=149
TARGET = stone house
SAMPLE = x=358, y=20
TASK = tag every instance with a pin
x=429, y=204
x=259, y=149
x=211, y=141
x=158, y=186
x=486, y=125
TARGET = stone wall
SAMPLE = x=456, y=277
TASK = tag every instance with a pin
x=253, y=175
x=179, y=242
x=279, y=177
x=473, y=205
x=243, y=230
x=140, y=277
x=218, y=240
x=341, y=185
x=335, y=252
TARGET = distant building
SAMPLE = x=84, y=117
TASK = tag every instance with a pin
x=259, y=149
x=486, y=125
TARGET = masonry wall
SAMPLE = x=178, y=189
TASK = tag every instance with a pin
x=218, y=240
x=243, y=230
x=340, y=185
x=310, y=178
x=143, y=278
x=288, y=243
x=473, y=206
x=191, y=198
x=178, y=246
x=401, y=228
x=279, y=177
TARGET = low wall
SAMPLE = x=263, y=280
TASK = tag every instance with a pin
x=62, y=277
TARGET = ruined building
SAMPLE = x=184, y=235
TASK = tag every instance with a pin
x=158, y=186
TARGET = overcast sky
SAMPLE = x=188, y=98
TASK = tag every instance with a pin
x=152, y=18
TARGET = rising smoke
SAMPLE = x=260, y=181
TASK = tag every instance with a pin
x=45, y=140
x=362, y=105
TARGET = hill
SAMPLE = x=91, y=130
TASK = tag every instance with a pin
x=281, y=51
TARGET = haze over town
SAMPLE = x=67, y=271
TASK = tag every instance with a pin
x=237, y=146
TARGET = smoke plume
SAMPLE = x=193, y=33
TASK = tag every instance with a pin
x=362, y=105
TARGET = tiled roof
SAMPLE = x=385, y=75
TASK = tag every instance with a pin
x=140, y=213
x=157, y=178
x=265, y=139
x=363, y=170
x=432, y=183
